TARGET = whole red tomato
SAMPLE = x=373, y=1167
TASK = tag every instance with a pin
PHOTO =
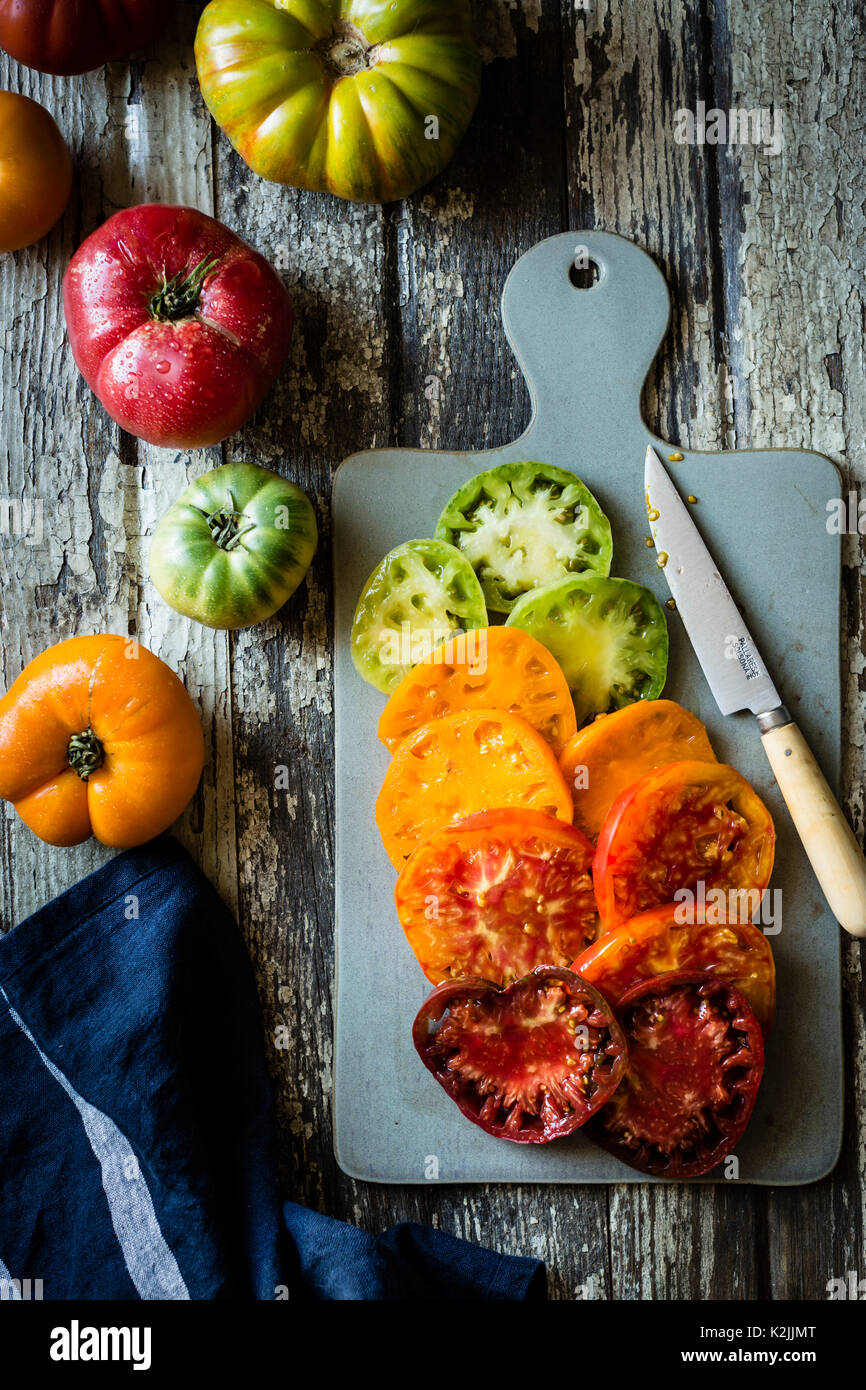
x=177, y=325
x=66, y=37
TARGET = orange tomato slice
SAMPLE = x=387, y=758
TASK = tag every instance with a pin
x=613, y=752
x=680, y=830
x=497, y=894
x=471, y=761
x=491, y=667
x=660, y=940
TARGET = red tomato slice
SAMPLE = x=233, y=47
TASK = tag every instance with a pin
x=677, y=826
x=695, y=1062
x=497, y=894
x=528, y=1063
x=656, y=943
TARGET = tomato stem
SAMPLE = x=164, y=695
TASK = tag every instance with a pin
x=85, y=754
x=225, y=525
x=178, y=297
x=346, y=52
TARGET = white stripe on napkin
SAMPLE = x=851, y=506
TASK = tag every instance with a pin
x=152, y=1266
x=8, y=1287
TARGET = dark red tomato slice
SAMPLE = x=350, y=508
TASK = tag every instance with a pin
x=658, y=941
x=528, y=1063
x=676, y=827
x=497, y=894
x=695, y=1061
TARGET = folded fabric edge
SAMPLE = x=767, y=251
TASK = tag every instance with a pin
x=334, y=1260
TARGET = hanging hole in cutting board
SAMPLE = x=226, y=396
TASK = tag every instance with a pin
x=583, y=273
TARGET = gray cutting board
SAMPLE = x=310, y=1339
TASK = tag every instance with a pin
x=585, y=354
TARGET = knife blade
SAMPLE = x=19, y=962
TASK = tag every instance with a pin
x=734, y=668
x=739, y=679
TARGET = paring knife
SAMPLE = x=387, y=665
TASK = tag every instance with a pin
x=739, y=680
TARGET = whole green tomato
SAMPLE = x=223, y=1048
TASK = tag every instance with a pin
x=234, y=546
x=367, y=99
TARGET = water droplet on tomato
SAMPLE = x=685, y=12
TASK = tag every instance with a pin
x=163, y=367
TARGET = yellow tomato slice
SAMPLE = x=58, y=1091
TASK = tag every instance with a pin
x=475, y=760
x=490, y=667
x=613, y=752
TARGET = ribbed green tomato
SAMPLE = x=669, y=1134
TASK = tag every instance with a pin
x=234, y=546
x=367, y=99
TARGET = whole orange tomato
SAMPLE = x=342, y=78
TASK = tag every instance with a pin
x=99, y=737
x=35, y=172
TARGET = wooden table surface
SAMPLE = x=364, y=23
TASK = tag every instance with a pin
x=764, y=253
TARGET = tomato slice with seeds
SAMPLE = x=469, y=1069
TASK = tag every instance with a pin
x=679, y=826
x=528, y=1063
x=422, y=592
x=497, y=667
x=467, y=762
x=523, y=526
x=695, y=1062
x=610, y=754
x=497, y=894
x=657, y=942
x=610, y=636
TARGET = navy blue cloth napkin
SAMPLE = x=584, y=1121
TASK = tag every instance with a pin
x=137, y=1155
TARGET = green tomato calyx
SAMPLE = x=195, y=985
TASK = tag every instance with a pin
x=225, y=525
x=85, y=754
x=178, y=297
x=345, y=52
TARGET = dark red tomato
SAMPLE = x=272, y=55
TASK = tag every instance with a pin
x=71, y=36
x=695, y=1062
x=176, y=324
x=658, y=942
x=497, y=894
x=678, y=826
x=528, y=1063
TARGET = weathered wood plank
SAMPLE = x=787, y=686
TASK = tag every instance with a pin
x=627, y=70
x=332, y=396
x=794, y=266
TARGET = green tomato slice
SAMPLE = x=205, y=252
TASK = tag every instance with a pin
x=416, y=598
x=234, y=546
x=609, y=636
x=523, y=526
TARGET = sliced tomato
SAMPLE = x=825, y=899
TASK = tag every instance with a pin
x=695, y=1062
x=656, y=942
x=610, y=637
x=524, y=526
x=422, y=592
x=491, y=667
x=497, y=894
x=610, y=754
x=681, y=825
x=528, y=1063
x=467, y=762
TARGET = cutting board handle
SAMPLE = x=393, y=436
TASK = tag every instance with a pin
x=585, y=353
